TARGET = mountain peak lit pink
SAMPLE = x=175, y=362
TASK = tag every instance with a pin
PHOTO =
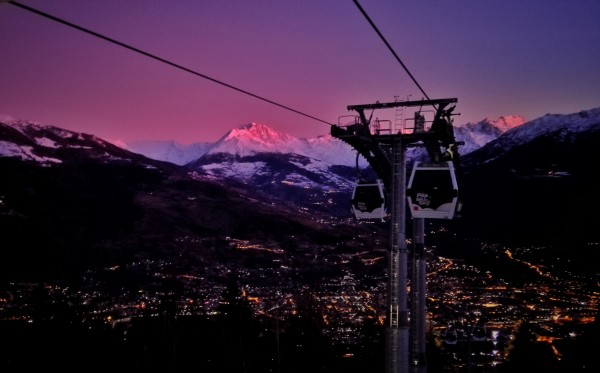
x=255, y=138
x=259, y=133
x=506, y=122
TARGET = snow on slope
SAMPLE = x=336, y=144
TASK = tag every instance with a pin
x=257, y=138
x=562, y=124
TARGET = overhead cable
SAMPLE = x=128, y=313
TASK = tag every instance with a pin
x=163, y=60
x=390, y=48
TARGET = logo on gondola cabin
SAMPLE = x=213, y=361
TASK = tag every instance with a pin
x=423, y=199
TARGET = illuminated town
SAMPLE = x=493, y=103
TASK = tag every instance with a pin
x=346, y=286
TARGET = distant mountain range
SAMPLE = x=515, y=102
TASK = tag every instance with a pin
x=297, y=170
x=71, y=199
x=254, y=138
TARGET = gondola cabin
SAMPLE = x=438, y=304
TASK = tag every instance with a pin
x=432, y=191
x=368, y=201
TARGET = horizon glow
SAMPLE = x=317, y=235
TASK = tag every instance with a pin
x=499, y=59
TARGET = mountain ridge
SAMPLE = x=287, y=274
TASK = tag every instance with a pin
x=537, y=163
x=252, y=138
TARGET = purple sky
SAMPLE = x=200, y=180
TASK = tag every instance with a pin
x=509, y=57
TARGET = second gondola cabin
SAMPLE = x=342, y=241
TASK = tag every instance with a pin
x=432, y=191
x=368, y=201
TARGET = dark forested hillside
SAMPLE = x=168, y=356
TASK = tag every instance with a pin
x=62, y=219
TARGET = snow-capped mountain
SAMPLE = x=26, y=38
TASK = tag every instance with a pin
x=282, y=167
x=276, y=163
x=47, y=145
x=563, y=129
x=476, y=135
x=254, y=138
x=249, y=139
x=540, y=173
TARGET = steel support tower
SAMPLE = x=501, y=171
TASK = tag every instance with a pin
x=418, y=291
x=397, y=327
x=386, y=154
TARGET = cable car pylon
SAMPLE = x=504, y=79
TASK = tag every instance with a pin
x=386, y=154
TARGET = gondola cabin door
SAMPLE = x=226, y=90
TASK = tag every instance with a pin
x=432, y=191
x=368, y=201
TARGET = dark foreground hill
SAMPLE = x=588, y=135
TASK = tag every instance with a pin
x=536, y=184
x=62, y=219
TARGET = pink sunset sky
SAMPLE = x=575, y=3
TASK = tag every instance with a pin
x=508, y=57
